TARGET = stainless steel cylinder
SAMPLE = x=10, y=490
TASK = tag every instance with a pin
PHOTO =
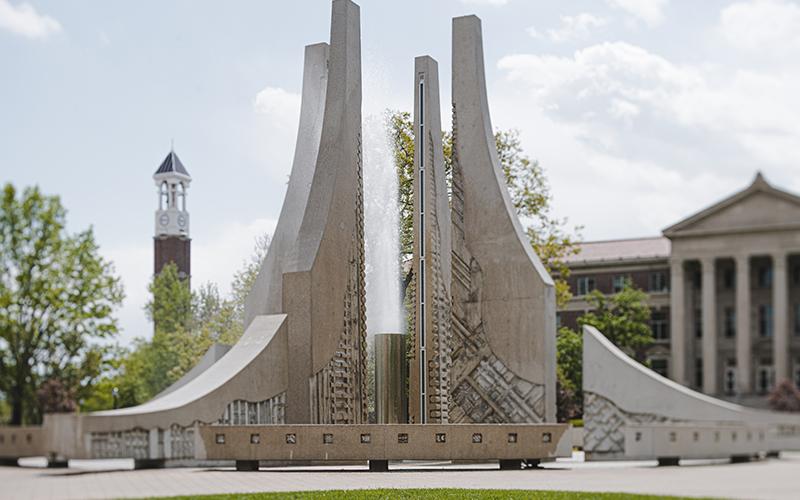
x=390, y=378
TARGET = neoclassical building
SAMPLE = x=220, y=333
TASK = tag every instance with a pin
x=724, y=288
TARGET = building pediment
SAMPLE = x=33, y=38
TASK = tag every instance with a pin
x=758, y=208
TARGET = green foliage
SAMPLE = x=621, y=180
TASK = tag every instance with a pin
x=569, y=346
x=56, y=295
x=401, y=133
x=623, y=318
x=186, y=325
x=429, y=494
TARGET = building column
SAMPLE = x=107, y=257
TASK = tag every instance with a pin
x=780, y=311
x=677, y=322
x=709, y=301
x=743, y=331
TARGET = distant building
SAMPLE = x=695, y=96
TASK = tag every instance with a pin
x=742, y=254
x=171, y=241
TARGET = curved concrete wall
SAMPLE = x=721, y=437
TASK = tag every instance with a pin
x=255, y=369
x=323, y=282
x=501, y=291
x=620, y=391
x=265, y=295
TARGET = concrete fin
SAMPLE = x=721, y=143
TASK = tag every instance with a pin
x=265, y=295
x=511, y=298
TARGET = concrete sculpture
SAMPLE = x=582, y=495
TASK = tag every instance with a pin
x=631, y=411
x=301, y=362
x=290, y=279
x=503, y=305
x=429, y=370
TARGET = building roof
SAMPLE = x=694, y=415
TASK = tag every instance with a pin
x=172, y=164
x=622, y=250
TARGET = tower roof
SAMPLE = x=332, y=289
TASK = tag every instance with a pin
x=172, y=164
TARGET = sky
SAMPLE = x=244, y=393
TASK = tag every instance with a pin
x=642, y=112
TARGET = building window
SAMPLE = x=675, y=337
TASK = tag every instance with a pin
x=620, y=282
x=797, y=319
x=697, y=280
x=765, y=326
x=659, y=325
x=730, y=380
x=698, y=323
x=558, y=321
x=765, y=277
x=730, y=322
x=766, y=379
x=797, y=275
x=658, y=282
x=585, y=285
x=698, y=373
x=660, y=366
x=730, y=279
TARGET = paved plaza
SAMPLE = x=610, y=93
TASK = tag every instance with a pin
x=770, y=479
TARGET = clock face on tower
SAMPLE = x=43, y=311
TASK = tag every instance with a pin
x=164, y=220
x=181, y=220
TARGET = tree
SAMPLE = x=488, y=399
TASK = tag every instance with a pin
x=623, y=318
x=56, y=295
x=569, y=348
x=784, y=397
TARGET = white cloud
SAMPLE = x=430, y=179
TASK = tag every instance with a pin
x=649, y=11
x=496, y=3
x=535, y=34
x=575, y=27
x=279, y=104
x=666, y=138
x=218, y=254
x=771, y=26
x=24, y=20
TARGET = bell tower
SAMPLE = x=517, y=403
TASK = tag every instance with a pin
x=172, y=242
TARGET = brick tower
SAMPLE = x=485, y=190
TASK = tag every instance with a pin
x=172, y=242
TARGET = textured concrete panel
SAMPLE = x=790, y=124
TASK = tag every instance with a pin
x=619, y=392
x=17, y=442
x=503, y=313
x=429, y=370
x=386, y=442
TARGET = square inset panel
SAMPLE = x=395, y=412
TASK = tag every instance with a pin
x=255, y=438
x=366, y=438
x=327, y=439
x=291, y=438
x=402, y=438
x=220, y=439
x=440, y=438
x=547, y=437
x=512, y=438
x=477, y=438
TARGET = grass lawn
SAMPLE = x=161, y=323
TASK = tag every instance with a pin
x=440, y=494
